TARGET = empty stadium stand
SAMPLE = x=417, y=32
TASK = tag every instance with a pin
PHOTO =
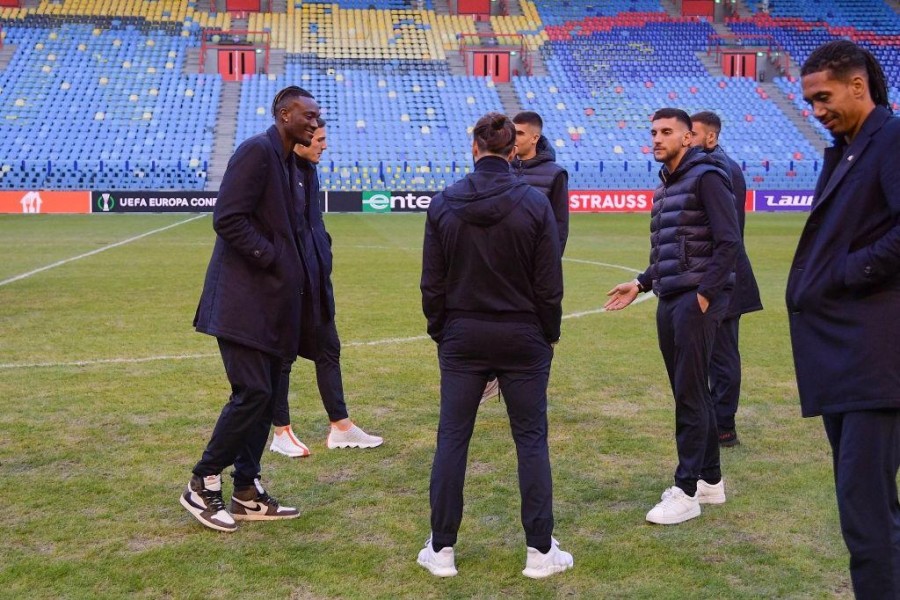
x=100, y=93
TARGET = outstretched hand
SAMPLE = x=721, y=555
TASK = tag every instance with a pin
x=621, y=296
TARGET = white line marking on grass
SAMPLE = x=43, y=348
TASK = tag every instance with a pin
x=382, y=342
x=601, y=264
x=97, y=251
x=385, y=341
x=106, y=361
x=595, y=311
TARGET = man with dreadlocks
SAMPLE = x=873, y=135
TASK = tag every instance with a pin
x=843, y=300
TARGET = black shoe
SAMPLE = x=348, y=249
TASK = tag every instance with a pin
x=728, y=438
x=252, y=503
x=203, y=499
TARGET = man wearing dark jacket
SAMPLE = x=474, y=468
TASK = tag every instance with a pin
x=491, y=292
x=251, y=303
x=725, y=366
x=843, y=301
x=694, y=243
x=319, y=340
x=535, y=162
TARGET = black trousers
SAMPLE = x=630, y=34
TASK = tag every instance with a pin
x=240, y=435
x=725, y=373
x=866, y=451
x=686, y=338
x=520, y=357
x=327, y=351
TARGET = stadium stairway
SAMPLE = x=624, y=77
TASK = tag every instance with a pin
x=803, y=124
x=6, y=54
x=508, y=98
x=224, y=134
x=514, y=8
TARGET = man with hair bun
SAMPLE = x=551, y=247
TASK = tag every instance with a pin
x=492, y=294
x=843, y=301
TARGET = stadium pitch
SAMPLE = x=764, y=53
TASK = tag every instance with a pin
x=107, y=396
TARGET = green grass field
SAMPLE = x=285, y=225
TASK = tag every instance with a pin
x=107, y=398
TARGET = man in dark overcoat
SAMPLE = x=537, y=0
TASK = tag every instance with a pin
x=725, y=364
x=843, y=301
x=252, y=304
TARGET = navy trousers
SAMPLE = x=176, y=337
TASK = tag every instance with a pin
x=326, y=348
x=866, y=451
x=469, y=353
x=240, y=435
x=725, y=373
x=686, y=338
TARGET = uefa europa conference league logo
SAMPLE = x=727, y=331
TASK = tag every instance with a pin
x=383, y=201
x=106, y=202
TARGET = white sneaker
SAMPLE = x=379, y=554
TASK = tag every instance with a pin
x=203, y=499
x=675, y=507
x=352, y=438
x=442, y=564
x=538, y=566
x=708, y=493
x=491, y=390
x=287, y=443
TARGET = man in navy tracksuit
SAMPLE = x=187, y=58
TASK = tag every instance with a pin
x=725, y=366
x=492, y=291
x=694, y=242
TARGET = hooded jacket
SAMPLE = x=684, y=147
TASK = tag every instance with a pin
x=542, y=172
x=491, y=252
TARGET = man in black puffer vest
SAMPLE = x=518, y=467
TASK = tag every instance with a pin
x=694, y=243
x=535, y=162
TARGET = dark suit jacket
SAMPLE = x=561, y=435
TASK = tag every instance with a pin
x=321, y=239
x=254, y=282
x=843, y=291
x=320, y=251
x=745, y=296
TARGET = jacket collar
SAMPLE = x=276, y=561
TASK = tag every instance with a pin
x=691, y=157
x=841, y=157
x=493, y=164
x=275, y=140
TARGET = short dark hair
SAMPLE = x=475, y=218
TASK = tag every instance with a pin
x=529, y=117
x=844, y=58
x=494, y=133
x=322, y=122
x=708, y=118
x=673, y=113
x=286, y=95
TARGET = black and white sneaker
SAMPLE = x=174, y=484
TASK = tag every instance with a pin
x=254, y=504
x=203, y=499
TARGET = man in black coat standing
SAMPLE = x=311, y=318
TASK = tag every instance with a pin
x=492, y=293
x=252, y=304
x=725, y=366
x=843, y=300
x=694, y=242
